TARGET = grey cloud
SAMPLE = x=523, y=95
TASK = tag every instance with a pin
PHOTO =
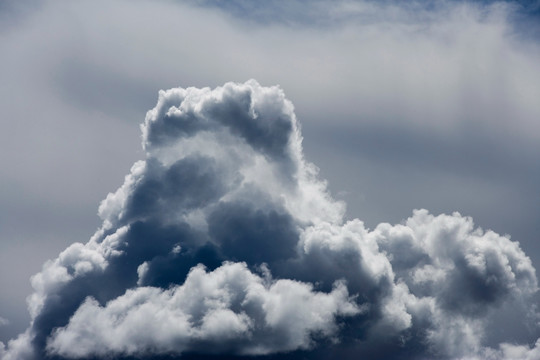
x=255, y=236
x=13, y=12
x=188, y=183
x=224, y=241
x=389, y=66
x=98, y=89
x=473, y=151
x=319, y=13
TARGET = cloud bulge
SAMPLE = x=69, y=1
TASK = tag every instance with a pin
x=225, y=241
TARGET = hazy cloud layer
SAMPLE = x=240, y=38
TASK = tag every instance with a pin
x=224, y=241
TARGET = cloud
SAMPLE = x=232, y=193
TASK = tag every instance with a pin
x=228, y=309
x=426, y=93
x=223, y=240
x=510, y=351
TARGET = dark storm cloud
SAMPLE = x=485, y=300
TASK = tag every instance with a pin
x=223, y=241
x=253, y=236
x=180, y=187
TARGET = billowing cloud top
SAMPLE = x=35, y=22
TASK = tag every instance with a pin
x=223, y=241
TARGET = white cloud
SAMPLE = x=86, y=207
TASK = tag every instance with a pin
x=456, y=68
x=229, y=309
x=139, y=287
x=452, y=69
x=512, y=351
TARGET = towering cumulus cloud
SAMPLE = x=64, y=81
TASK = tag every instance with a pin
x=223, y=241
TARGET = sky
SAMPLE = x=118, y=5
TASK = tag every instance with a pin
x=328, y=178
